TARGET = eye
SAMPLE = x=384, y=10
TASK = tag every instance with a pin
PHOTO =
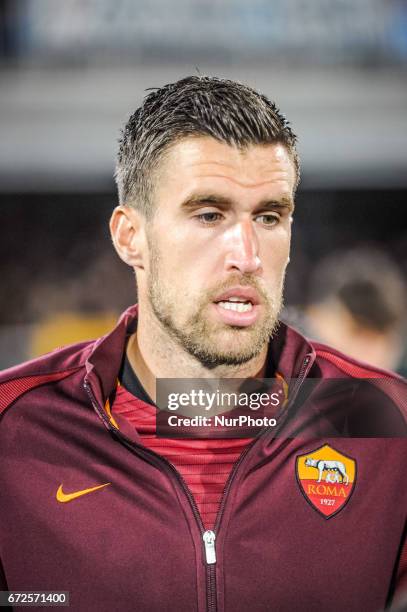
x=268, y=219
x=209, y=218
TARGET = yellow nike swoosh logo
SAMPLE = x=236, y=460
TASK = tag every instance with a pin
x=66, y=497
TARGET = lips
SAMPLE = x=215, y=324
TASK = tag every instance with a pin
x=244, y=294
x=238, y=306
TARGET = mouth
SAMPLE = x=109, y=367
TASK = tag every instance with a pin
x=235, y=305
x=238, y=306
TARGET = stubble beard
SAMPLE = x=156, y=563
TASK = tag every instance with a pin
x=213, y=344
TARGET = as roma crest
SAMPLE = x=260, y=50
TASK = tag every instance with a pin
x=326, y=478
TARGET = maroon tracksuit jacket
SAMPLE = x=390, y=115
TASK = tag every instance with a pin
x=283, y=542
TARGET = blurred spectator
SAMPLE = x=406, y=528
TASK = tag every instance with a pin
x=357, y=304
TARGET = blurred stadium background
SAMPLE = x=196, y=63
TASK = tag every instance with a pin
x=71, y=73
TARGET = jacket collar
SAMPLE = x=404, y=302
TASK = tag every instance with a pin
x=292, y=355
x=103, y=363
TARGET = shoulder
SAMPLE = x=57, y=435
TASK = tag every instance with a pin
x=50, y=368
x=333, y=363
x=382, y=390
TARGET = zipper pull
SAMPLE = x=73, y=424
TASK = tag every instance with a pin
x=209, y=541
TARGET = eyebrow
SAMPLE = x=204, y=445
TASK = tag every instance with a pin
x=195, y=201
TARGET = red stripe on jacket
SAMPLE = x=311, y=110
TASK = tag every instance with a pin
x=10, y=390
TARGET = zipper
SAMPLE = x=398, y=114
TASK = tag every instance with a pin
x=211, y=591
x=208, y=536
x=209, y=542
x=303, y=367
x=300, y=379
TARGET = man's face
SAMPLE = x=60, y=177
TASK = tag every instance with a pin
x=218, y=246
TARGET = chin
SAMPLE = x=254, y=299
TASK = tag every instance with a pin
x=212, y=360
x=230, y=350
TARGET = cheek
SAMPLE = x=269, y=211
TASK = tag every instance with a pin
x=276, y=252
x=178, y=270
x=175, y=246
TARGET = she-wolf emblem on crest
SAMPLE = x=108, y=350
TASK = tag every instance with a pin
x=326, y=478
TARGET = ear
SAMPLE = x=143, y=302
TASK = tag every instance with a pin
x=127, y=228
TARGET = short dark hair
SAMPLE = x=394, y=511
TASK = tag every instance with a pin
x=196, y=105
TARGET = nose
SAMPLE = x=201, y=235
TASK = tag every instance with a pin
x=242, y=248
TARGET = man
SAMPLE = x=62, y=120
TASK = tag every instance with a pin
x=95, y=503
x=357, y=303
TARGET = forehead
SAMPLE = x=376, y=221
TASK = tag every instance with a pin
x=204, y=162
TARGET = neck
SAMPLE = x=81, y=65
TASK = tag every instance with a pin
x=154, y=354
